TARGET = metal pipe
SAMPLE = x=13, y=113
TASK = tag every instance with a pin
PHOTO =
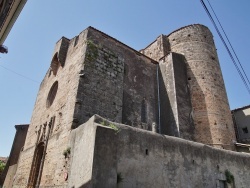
x=159, y=101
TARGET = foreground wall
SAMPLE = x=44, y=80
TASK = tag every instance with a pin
x=140, y=158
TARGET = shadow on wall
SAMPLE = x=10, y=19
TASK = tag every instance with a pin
x=168, y=125
x=85, y=185
x=200, y=116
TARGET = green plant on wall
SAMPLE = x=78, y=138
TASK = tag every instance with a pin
x=92, y=51
x=66, y=152
x=116, y=129
x=103, y=123
x=2, y=166
x=229, y=176
x=112, y=126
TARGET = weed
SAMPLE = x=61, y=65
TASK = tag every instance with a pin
x=229, y=176
x=66, y=152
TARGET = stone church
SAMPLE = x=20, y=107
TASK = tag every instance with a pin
x=108, y=116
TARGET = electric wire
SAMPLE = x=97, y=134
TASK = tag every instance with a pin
x=225, y=44
x=228, y=41
x=19, y=74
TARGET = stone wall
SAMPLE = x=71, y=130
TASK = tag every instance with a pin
x=89, y=74
x=175, y=104
x=100, y=90
x=157, y=49
x=17, y=147
x=51, y=123
x=117, y=82
x=94, y=73
x=153, y=160
x=211, y=112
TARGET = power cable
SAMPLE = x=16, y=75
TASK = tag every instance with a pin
x=19, y=74
x=229, y=42
x=223, y=41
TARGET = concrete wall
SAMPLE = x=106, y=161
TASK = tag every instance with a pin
x=153, y=160
x=82, y=154
x=93, y=156
x=242, y=124
x=145, y=159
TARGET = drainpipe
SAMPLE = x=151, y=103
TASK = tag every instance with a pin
x=159, y=100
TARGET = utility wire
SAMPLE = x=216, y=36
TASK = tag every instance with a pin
x=223, y=41
x=228, y=41
x=19, y=74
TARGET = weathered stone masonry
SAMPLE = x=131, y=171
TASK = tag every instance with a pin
x=173, y=87
x=210, y=109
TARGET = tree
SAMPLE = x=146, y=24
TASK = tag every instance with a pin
x=2, y=166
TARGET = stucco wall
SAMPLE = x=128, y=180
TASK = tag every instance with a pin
x=242, y=124
x=147, y=159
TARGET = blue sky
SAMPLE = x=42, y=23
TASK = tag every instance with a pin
x=135, y=23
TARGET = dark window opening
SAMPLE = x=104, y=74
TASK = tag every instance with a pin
x=52, y=94
x=143, y=111
x=146, y=151
x=55, y=64
x=76, y=40
x=245, y=130
x=36, y=168
x=51, y=124
x=189, y=78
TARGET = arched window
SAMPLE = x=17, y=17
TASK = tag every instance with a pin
x=37, y=165
x=52, y=94
x=55, y=64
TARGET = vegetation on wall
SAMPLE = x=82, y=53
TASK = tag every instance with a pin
x=229, y=176
x=66, y=152
x=2, y=166
x=116, y=129
x=92, y=51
